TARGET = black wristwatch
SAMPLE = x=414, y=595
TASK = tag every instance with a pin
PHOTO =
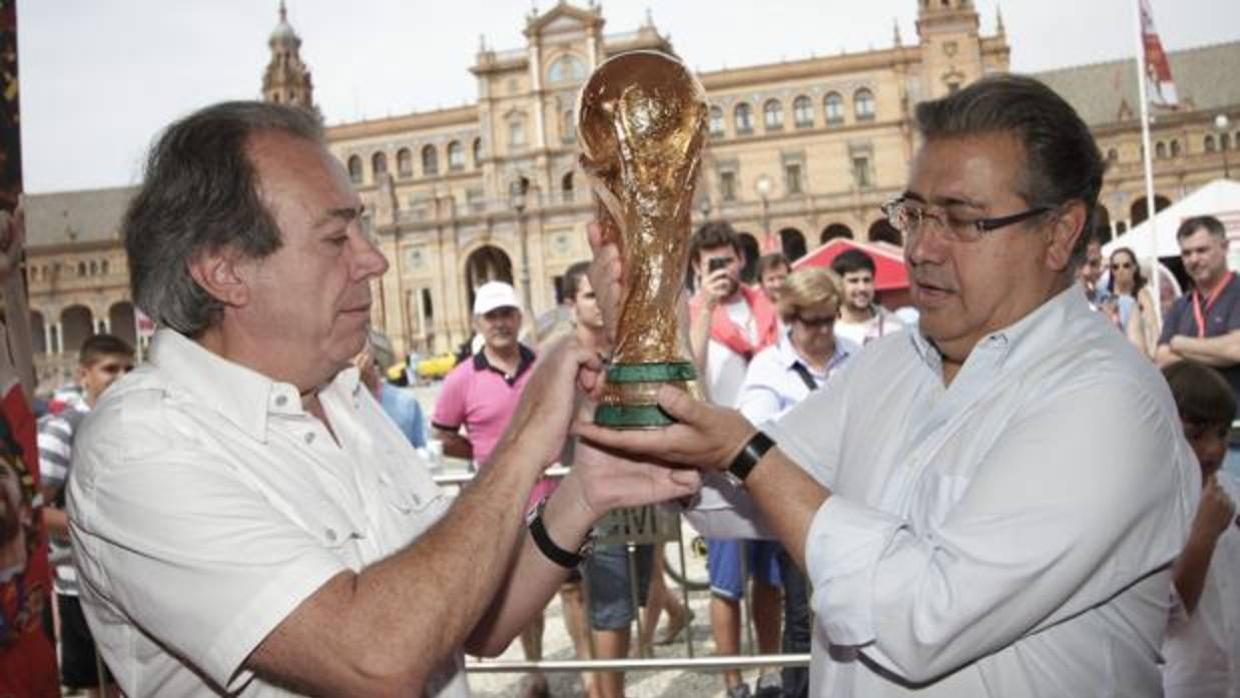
x=743, y=463
x=564, y=558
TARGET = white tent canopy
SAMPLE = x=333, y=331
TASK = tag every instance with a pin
x=1220, y=198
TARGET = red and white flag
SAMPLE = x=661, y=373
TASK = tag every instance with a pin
x=1159, y=86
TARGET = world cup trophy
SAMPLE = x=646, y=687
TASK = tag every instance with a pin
x=641, y=126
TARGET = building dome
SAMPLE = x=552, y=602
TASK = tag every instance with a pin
x=283, y=32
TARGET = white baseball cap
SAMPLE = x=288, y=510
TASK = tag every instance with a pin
x=492, y=295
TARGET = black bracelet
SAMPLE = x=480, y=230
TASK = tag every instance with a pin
x=538, y=531
x=754, y=449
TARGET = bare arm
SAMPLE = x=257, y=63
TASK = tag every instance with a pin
x=454, y=444
x=425, y=600
x=56, y=520
x=1220, y=351
x=1214, y=514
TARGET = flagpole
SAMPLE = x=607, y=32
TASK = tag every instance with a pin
x=1150, y=207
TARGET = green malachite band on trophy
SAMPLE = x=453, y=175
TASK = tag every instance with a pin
x=651, y=373
x=631, y=416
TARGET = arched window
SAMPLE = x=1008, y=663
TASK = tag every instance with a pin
x=833, y=105
x=103, y=267
x=566, y=187
x=81, y=268
x=773, y=115
x=456, y=156
x=1209, y=144
x=863, y=104
x=94, y=267
x=404, y=162
x=1160, y=150
x=1175, y=149
x=568, y=125
x=1112, y=155
x=742, y=117
x=430, y=161
x=1224, y=142
x=355, y=169
x=378, y=164
x=803, y=111
x=516, y=133
x=716, y=121
x=567, y=69
x=477, y=152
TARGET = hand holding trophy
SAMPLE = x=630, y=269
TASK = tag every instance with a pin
x=641, y=125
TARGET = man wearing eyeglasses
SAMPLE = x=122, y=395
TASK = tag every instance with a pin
x=987, y=505
x=101, y=361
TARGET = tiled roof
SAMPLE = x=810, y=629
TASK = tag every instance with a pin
x=92, y=215
x=1205, y=79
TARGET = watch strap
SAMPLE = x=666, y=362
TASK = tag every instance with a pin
x=744, y=462
x=553, y=552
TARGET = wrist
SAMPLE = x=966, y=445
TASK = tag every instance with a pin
x=755, y=448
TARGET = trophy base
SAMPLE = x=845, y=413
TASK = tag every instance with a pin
x=632, y=391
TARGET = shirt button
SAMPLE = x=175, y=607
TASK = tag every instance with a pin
x=309, y=437
x=281, y=400
x=331, y=535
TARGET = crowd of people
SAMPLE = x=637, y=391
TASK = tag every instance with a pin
x=1006, y=498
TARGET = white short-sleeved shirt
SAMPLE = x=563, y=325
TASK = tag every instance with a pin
x=205, y=505
x=1009, y=536
x=1202, y=651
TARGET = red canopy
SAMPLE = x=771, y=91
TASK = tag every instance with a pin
x=889, y=271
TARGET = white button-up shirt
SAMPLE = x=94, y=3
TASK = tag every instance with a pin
x=1007, y=536
x=1203, y=650
x=206, y=505
x=772, y=383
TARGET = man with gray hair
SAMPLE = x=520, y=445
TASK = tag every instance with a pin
x=987, y=505
x=245, y=518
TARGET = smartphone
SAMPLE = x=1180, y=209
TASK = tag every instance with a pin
x=715, y=263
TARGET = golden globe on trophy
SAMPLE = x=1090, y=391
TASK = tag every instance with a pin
x=641, y=126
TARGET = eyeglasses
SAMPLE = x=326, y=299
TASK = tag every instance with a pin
x=816, y=322
x=909, y=216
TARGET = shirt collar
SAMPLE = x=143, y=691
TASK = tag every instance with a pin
x=240, y=394
x=1027, y=337
x=526, y=360
x=789, y=357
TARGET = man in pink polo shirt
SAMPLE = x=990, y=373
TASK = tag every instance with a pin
x=481, y=395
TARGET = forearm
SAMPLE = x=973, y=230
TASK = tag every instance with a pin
x=789, y=499
x=56, y=521
x=533, y=579
x=1191, y=567
x=1212, y=351
x=699, y=336
x=454, y=445
x=1163, y=356
x=422, y=601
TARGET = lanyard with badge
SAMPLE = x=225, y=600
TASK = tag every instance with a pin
x=1198, y=313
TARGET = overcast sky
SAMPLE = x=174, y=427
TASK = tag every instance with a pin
x=100, y=78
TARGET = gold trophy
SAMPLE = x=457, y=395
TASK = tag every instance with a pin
x=641, y=125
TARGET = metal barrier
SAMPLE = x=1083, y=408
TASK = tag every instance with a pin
x=637, y=528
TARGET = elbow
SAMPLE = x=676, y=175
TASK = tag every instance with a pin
x=484, y=643
x=378, y=674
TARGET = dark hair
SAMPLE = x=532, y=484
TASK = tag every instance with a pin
x=1138, y=279
x=772, y=260
x=711, y=235
x=200, y=194
x=1212, y=225
x=1062, y=160
x=98, y=346
x=852, y=260
x=1201, y=393
x=572, y=279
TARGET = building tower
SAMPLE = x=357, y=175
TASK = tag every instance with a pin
x=287, y=79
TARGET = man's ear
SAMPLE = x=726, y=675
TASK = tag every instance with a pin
x=221, y=273
x=1066, y=229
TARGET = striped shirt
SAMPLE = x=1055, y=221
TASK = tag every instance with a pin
x=55, y=452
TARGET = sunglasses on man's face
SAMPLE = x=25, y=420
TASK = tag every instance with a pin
x=816, y=322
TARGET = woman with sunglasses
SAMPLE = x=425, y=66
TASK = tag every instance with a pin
x=1134, y=303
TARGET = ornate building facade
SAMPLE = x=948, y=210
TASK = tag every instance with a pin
x=800, y=152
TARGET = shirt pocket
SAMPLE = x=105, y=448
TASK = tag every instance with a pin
x=406, y=486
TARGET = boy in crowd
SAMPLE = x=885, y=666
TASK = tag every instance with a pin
x=102, y=359
x=1202, y=646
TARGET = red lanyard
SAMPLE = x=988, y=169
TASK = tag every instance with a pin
x=1198, y=313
